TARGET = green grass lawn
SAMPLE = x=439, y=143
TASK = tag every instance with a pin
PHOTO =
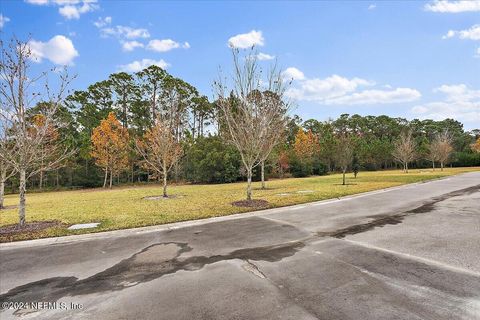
x=124, y=207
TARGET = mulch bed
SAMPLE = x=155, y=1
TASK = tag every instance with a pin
x=251, y=203
x=29, y=227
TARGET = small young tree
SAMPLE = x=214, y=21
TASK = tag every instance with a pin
x=283, y=162
x=252, y=112
x=30, y=144
x=276, y=130
x=160, y=150
x=404, y=149
x=441, y=148
x=343, y=155
x=110, y=147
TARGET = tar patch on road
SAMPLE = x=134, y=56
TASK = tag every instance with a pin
x=429, y=206
x=383, y=220
x=151, y=263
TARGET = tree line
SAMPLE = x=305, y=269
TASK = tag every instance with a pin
x=152, y=126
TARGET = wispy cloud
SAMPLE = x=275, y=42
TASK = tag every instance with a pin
x=460, y=102
x=472, y=33
x=3, y=20
x=69, y=9
x=444, y=6
x=139, y=65
x=338, y=90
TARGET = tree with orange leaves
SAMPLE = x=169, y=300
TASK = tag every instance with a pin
x=283, y=162
x=110, y=147
x=306, y=145
x=160, y=149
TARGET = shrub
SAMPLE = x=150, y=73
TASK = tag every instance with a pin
x=210, y=160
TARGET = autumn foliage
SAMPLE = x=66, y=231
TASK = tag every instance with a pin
x=110, y=146
x=306, y=144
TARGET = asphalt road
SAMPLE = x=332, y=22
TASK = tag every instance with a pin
x=405, y=253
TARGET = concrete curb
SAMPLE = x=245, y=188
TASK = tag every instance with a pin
x=184, y=224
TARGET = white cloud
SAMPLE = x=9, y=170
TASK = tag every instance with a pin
x=102, y=22
x=323, y=90
x=131, y=45
x=473, y=33
x=162, y=45
x=59, y=50
x=70, y=9
x=165, y=45
x=372, y=6
x=247, y=40
x=3, y=20
x=37, y=2
x=460, y=102
x=444, y=6
x=264, y=56
x=377, y=97
x=336, y=89
x=125, y=32
x=136, y=66
x=293, y=74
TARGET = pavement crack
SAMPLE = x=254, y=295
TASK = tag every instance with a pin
x=253, y=268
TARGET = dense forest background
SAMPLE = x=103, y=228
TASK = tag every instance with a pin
x=136, y=99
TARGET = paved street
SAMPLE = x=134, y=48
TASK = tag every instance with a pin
x=411, y=252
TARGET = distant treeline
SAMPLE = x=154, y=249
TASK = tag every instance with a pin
x=136, y=100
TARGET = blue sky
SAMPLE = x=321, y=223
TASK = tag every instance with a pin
x=408, y=59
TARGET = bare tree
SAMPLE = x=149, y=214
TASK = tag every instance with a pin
x=253, y=112
x=278, y=123
x=343, y=153
x=404, y=149
x=441, y=148
x=30, y=144
x=160, y=150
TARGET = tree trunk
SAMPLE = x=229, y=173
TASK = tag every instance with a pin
x=441, y=165
x=105, y=179
x=23, y=190
x=406, y=167
x=111, y=178
x=249, y=184
x=58, y=179
x=262, y=165
x=433, y=165
x=165, y=195
x=344, y=170
x=2, y=187
x=40, y=184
